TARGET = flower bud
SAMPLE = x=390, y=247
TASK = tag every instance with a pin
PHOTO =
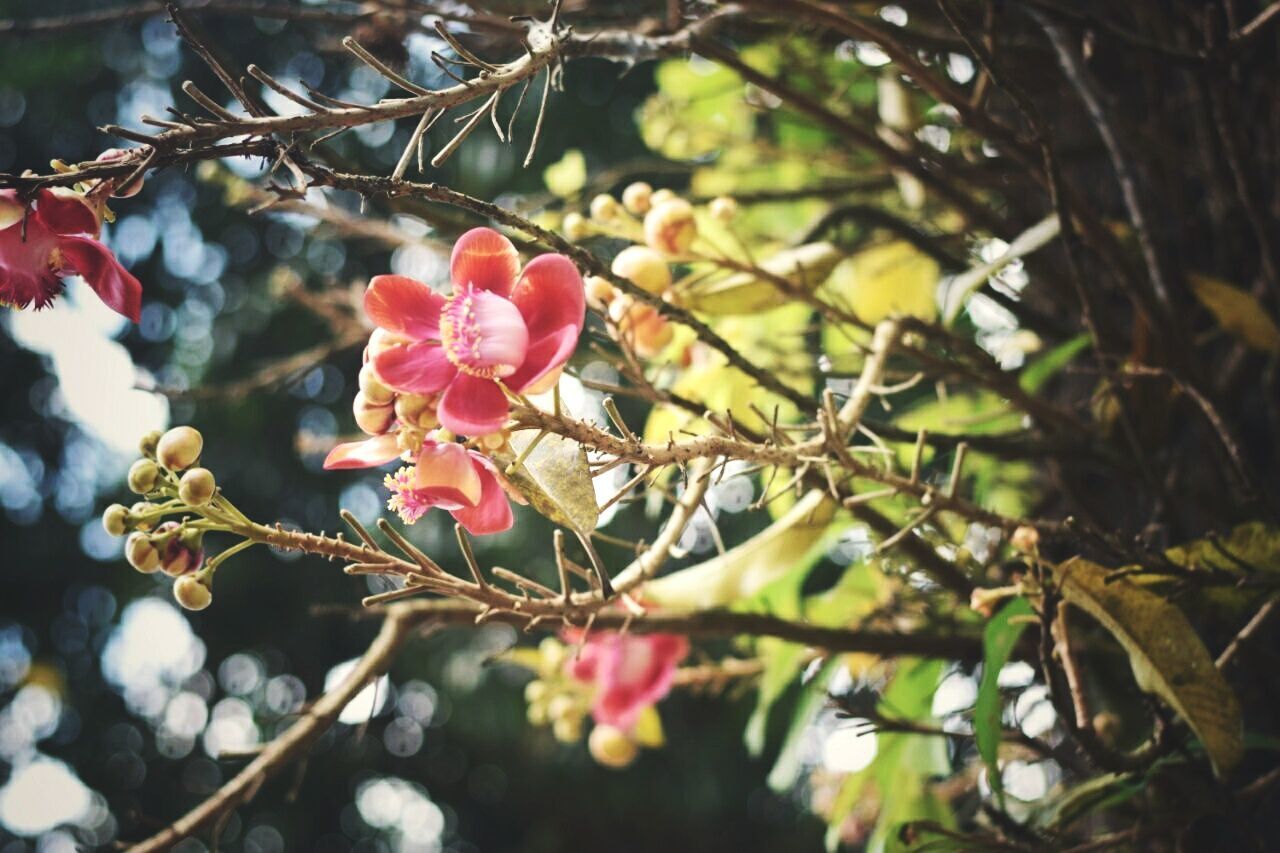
x=373, y=389
x=143, y=476
x=374, y=420
x=535, y=691
x=179, y=448
x=181, y=551
x=659, y=196
x=493, y=441
x=380, y=341
x=141, y=553
x=147, y=445
x=1108, y=725
x=669, y=227
x=197, y=486
x=1025, y=539
x=192, y=592
x=561, y=706
x=599, y=291
x=723, y=209
x=137, y=514
x=416, y=411
x=637, y=197
x=567, y=729
x=575, y=226
x=644, y=267
x=604, y=208
x=111, y=155
x=646, y=329
x=985, y=601
x=116, y=520
x=611, y=747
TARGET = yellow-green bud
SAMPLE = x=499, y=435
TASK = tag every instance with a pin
x=116, y=519
x=143, y=476
x=637, y=197
x=373, y=389
x=567, y=729
x=669, y=227
x=416, y=410
x=147, y=445
x=611, y=747
x=141, y=554
x=374, y=420
x=604, y=208
x=723, y=209
x=192, y=592
x=644, y=267
x=599, y=291
x=575, y=226
x=197, y=486
x=136, y=513
x=1025, y=539
x=535, y=691
x=179, y=448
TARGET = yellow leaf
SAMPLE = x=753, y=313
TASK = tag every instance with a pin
x=892, y=278
x=804, y=267
x=1237, y=311
x=748, y=568
x=554, y=478
x=568, y=175
x=1167, y=657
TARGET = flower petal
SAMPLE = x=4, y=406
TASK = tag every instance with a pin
x=404, y=306
x=484, y=259
x=492, y=514
x=551, y=296
x=635, y=672
x=66, y=212
x=473, y=406
x=446, y=472
x=369, y=453
x=544, y=361
x=115, y=286
x=11, y=210
x=417, y=368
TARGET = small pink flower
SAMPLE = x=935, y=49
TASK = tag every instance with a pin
x=447, y=476
x=630, y=672
x=58, y=236
x=500, y=323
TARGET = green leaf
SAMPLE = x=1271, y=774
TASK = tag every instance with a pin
x=554, y=478
x=1167, y=657
x=998, y=639
x=887, y=279
x=1043, y=368
x=1237, y=311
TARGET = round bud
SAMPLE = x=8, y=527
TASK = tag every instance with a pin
x=599, y=291
x=1025, y=539
x=659, y=196
x=179, y=448
x=136, y=514
x=374, y=420
x=611, y=747
x=197, y=486
x=493, y=441
x=417, y=411
x=644, y=267
x=192, y=592
x=116, y=520
x=567, y=729
x=535, y=691
x=147, y=445
x=723, y=209
x=561, y=706
x=604, y=208
x=143, y=476
x=1108, y=725
x=181, y=550
x=380, y=341
x=141, y=554
x=669, y=227
x=373, y=389
x=575, y=226
x=111, y=155
x=646, y=329
x=637, y=197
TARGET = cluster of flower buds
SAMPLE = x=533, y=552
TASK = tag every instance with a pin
x=555, y=699
x=171, y=483
x=663, y=228
x=381, y=411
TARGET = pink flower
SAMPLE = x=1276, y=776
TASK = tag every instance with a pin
x=500, y=324
x=58, y=236
x=446, y=476
x=630, y=671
